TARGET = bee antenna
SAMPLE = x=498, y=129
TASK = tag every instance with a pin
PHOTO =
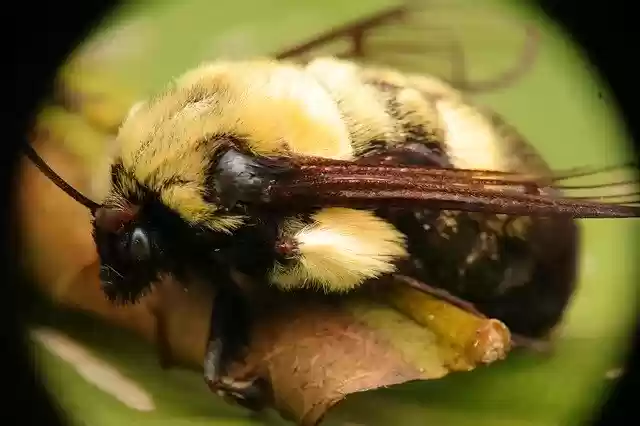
x=56, y=179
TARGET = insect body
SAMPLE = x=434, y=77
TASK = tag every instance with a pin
x=301, y=176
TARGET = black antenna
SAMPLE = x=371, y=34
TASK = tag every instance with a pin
x=55, y=178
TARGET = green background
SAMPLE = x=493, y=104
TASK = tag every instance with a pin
x=559, y=106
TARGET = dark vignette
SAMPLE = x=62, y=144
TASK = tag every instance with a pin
x=42, y=34
x=603, y=31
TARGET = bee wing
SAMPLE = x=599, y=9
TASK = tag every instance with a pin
x=423, y=36
x=320, y=182
x=442, y=37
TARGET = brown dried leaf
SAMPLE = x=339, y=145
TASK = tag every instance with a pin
x=315, y=351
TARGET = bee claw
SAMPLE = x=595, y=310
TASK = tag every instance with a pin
x=247, y=393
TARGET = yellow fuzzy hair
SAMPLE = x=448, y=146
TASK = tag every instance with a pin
x=327, y=108
x=339, y=250
x=362, y=106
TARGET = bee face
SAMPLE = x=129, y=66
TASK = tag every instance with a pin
x=139, y=243
x=129, y=251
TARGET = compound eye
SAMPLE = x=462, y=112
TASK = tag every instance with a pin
x=139, y=245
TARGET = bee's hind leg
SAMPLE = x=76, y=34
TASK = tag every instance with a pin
x=228, y=335
x=539, y=345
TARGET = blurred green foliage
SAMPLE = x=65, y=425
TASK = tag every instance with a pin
x=559, y=106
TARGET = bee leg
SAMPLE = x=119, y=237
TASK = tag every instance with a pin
x=246, y=393
x=162, y=342
x=227, y=336
x=537, y=345
x=439, y=294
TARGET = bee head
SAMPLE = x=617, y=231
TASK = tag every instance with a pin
x=140, y=241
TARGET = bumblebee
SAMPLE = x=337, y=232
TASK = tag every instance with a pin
x=326, y=175
x=300, y=176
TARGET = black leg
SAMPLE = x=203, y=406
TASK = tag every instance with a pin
x=162, y=342
x=228, y=336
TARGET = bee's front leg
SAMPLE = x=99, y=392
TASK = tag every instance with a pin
x=228, y=336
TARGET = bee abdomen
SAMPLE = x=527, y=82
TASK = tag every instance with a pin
x=517, y=269
x=525, y=280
